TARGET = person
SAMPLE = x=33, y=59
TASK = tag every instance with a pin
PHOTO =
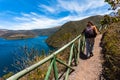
x=90, y=33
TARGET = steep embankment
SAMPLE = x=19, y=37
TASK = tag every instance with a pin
x=70, y=30
x=111, y=52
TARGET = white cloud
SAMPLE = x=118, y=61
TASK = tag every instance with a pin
x=47, y=8
x=95, y=3
x=38, y=21
x=77, y=6
x=71, y=6
x=1, y=27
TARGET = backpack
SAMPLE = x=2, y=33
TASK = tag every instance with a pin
x=90, y=32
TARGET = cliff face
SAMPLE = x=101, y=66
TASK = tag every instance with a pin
x=70, y=30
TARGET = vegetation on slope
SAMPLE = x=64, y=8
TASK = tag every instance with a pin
x=113, y=3
x=70, y=30
x=111, y=52
x=28, y=58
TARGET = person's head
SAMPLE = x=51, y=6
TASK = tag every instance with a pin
x=90, y=23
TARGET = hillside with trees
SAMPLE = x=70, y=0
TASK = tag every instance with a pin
x=70, y=30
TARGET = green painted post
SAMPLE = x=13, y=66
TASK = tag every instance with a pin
x=49, y=70
x=100, y=28
x=70, y=60
x=78, y=54
x=55, y=69
x=83, y=43
x=36, y=65
x=61, y=62
x=75, y=55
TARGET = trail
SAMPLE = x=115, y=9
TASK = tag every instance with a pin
x=89, y=69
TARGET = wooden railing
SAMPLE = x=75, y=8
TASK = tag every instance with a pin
x=80, y=46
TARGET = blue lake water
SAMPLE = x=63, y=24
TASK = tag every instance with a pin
x=8, y=48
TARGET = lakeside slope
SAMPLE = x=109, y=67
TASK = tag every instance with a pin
x=70, y=30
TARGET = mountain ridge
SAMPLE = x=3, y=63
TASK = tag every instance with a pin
x=20, y=34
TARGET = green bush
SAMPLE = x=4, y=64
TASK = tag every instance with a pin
x=111, y=51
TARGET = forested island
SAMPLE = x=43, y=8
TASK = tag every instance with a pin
x=22, y=34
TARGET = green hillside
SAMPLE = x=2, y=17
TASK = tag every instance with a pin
x=111, y=52
x=70, y=30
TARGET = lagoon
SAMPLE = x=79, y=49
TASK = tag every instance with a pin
x=8, y=49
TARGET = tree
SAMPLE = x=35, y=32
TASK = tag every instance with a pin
x=28, y=57
x=118, y=12
x=114, y=3
x=106, y=21
x=114, y=6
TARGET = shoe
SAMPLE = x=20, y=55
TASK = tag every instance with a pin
x=88, y=57
x=91, y=54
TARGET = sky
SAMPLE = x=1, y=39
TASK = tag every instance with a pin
x=39, y=14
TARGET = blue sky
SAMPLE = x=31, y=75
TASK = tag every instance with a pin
x=38, y=14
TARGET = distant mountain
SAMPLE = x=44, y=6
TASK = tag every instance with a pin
x=20, y=34
x=2, y=32
x=70, y=30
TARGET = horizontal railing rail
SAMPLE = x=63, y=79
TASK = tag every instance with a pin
x=54, y=59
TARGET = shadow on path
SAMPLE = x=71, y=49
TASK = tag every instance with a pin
x=91, y=68
x=82, y=56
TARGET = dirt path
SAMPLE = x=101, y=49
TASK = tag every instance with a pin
x=89, y=69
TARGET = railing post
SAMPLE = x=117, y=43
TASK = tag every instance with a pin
x=78, y=54
x=101, y=27
x=55, y=69
x=83, y=43
x=70, y=60
x=75, y=55
x=61, y=62
x=52, y=64
x=49, y=70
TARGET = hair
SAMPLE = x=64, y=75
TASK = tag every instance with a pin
x=88, y=25
x=89, y=22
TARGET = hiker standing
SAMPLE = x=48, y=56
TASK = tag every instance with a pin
x=90, y=33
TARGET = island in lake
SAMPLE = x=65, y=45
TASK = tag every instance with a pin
x=22, y=34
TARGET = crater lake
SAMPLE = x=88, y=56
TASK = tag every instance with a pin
x=10, y=48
